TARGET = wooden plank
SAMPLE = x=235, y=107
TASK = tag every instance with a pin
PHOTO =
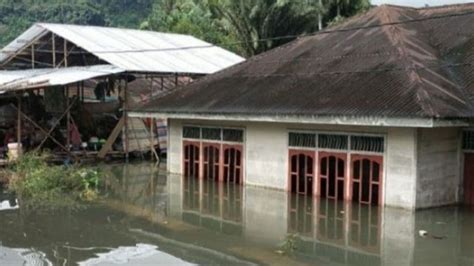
x=113, y=136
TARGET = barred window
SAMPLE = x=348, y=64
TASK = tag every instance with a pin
x=307, y=140
x=468, y=140
x=234, y=135
x=366, y=143
x=335, y=142
x=191, y=132
x=211, y=133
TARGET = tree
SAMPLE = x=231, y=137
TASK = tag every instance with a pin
x=189, y=17
x=258, y=23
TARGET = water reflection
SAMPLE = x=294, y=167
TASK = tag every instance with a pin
x=205, y=222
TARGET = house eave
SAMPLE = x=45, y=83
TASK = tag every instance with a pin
x=326, y=120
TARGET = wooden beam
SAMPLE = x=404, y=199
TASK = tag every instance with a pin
x=65, y=53
x=68, y=120
x=125, y=114
x=33, y=56
x=18, y=129
x=53, y=43
x=111, y=139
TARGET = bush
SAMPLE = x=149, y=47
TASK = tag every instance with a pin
x=38, y=184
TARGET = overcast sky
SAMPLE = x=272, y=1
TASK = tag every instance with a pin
x=418, y=3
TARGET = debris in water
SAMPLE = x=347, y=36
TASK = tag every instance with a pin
x=425, y=234
x=279, y=252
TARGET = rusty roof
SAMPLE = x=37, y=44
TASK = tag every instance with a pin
x=417, y=64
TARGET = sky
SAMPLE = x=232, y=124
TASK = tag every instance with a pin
x=419, y=3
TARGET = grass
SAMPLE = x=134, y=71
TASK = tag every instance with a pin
x=40, y=185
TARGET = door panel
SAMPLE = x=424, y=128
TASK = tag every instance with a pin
x=232, y=164
x=469, y=178
x=332, y=172
x=301, y=178
x=211, y=161
x=191, y=159
x=367, y=179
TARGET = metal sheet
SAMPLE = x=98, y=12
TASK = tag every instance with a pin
x=27, y=79
x=136, y=50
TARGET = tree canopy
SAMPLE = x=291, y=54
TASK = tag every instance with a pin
x=247, y=27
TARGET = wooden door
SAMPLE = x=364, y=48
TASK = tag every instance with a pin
x=332, y=172
x=367, y=179
x=191, y=159
x=469, y=178
x=211, y=161
x=301, y=177
x=232, y=164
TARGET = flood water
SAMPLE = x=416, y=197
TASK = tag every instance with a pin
x=149, y=218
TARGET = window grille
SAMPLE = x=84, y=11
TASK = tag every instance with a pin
x=191, y=133
x=366, y=143
x=334, y=142
x=302, y=140
x=211, y=133
x=234, y=135
x=468, y=140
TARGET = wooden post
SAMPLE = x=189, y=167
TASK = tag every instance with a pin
x=125, y=114
x=152, y=138
x=33, y=56
x=18, y=129
x=68, y=121
x=65, y=53
x=53, y=40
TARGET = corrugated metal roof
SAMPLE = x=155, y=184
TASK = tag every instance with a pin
x=45, y=77
x=135, y=50
x=416, y=69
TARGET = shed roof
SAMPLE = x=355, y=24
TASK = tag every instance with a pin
x=418, y=64
x=134, y=50
x=46, y=77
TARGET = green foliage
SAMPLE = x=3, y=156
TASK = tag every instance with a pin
x=238, y=25
x=41, y=185
x=17, y=15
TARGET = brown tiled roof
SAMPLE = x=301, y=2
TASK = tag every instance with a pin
x=420, y=65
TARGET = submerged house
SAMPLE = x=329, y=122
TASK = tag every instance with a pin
x=375, y=110
x=64, y=75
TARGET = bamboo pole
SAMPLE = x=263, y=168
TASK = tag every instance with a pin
x=65, y=53
x=33, y=56
x=53, y=41
x=68, y=121
x=18, y=129
x=125, y=114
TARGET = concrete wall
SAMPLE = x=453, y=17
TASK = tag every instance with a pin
x=266, y=155
x=439, y=167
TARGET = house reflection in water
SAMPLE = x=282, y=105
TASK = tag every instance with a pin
x=324, y=230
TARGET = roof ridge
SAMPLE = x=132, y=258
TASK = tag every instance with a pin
x=112, y=28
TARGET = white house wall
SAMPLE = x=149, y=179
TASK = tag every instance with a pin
x=439, y=167
x=266, y=155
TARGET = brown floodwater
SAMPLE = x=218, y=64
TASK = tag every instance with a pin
x=149, y=218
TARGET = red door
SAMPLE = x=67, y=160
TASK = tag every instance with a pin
x=332, y=172
x=301, y=171
x=191, y=159
x=367, y=179
x=469, y=178
x=232, y=164
x=211, y=157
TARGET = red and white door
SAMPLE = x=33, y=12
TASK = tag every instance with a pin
x=232, y=164
x=191, y=159
x=469, y=178
x=367, y=179
x=331, y=175
x=211, y=161
x=301, y=171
